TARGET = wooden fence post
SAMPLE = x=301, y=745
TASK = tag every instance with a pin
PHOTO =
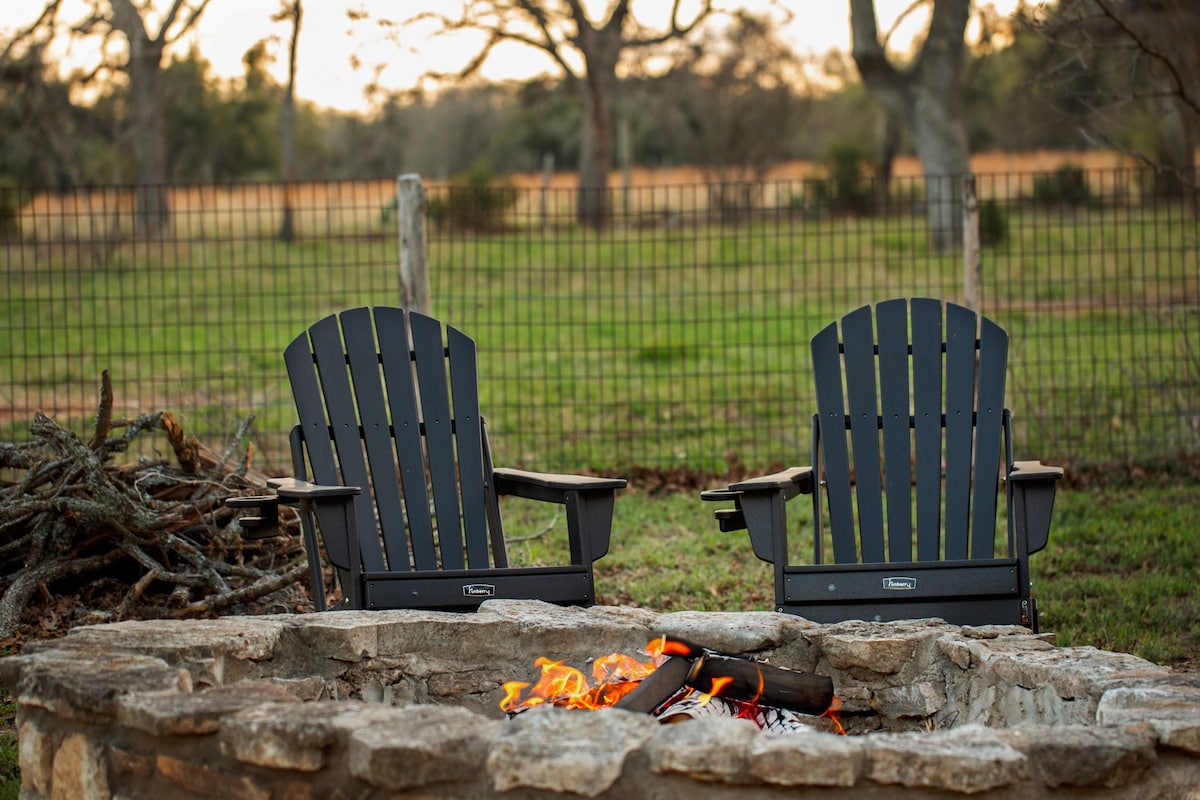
x=972, y=256
x=414, y=273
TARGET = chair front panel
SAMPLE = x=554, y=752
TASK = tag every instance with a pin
x=885, y=583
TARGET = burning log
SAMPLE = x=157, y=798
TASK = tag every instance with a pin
x=130, y=540
x=733, y=678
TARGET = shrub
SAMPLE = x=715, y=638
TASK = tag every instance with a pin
x=993, y=223
x=475, y=201
x=1067, y=185
x=850, y=191
x=10, y=209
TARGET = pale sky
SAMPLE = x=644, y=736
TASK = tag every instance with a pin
x=328, y=40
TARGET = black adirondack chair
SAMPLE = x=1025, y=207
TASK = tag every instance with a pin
x=908, y=444
x=393, y=470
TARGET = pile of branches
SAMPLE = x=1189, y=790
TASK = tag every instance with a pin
x=85, y=540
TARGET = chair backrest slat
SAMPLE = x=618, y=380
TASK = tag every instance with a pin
x=892, y=317
x=827, y=371
x=329, y=354
x=961, y=324
x=314, y=430
x=927, y=424
x=859, y=345
x=989, y=415
x=396, y=359
x=468, y=434
x=439, y=436
x=358, y=332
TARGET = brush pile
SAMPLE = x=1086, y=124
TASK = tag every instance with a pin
x=85, y=540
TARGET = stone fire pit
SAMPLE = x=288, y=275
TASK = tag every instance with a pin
x=405, y=703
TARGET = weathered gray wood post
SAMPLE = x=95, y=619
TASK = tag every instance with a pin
x=972, y=256
x=414, y=272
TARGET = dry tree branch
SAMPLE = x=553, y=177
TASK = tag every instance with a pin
x=75, y=521
x=254, y=591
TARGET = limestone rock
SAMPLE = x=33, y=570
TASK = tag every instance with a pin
x=707, y=749
x=172, y=713
x=1084, y=755
x=87, y=689
x=969, y=759
x=1173, y=712
x=807, y=759
x=451, y=746
x=562, y=751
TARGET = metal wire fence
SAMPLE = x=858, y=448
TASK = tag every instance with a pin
x=676, y=335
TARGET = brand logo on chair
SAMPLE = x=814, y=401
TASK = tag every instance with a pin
x=899, y=584
x=479, y=590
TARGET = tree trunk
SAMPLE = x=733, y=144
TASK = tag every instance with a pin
x=593, y=208
x=147, y=133
x=889, y=148
x=940, y=143
x=926, y=99
x=287, y=226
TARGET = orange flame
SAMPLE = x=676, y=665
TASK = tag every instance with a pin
x=613, y=677
x=833, y=714
x=718, y=685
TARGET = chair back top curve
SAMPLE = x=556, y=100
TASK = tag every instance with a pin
x=910, y=401
x=388, y=400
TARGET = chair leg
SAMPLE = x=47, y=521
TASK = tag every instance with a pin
x=312, y=548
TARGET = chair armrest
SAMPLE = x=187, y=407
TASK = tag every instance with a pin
x=296, y=489
x=793, y=481
x=758, y=506
x=1034, y=470
x=548, y=485
x=1032, y=486
x=288, y=491
x=589, y=503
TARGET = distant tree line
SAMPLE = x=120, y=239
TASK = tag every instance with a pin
x=733, y=102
